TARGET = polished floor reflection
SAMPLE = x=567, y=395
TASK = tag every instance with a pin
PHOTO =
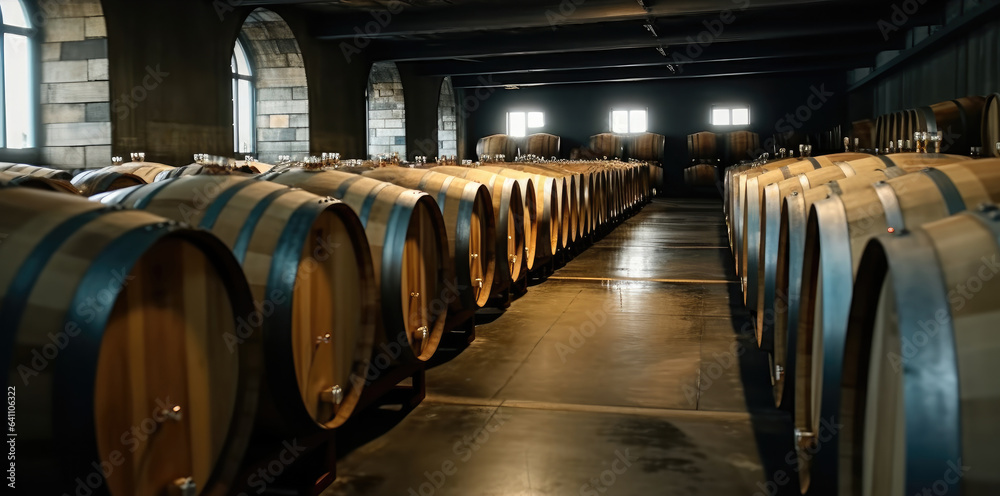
x=631, y=371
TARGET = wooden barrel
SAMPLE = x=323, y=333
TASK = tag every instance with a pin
x=741, y=145
x=96, y=181
x=310, y=271
x=881, y=133
x=700, y=175
x=701, y=146
x=836, y=233
x=497, y=144
x=791, y=247
x=990, y=126
x=574, y=216
x=959, y=120
x=469, y=223
x=595, y=192
x=749, y=253
x=606, y=145
x=198, y=169
x=647, y=147
x=146, y=170
x=547, y=209
x=918, y=382
x=770, y=219
x=512, y=246
x=116, y=332
x=406, y=234
x=8, y=180
x=864, y=131
x=557, y=215
x=542, y=145
x=734, y=197
x=32, y=170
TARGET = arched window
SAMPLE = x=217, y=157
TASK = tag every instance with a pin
x=243, y=101
x=18, y=104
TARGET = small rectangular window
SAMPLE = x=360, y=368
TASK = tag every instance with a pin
x=519, y=124
x=730, y=116
x=536, y=119
x=629, y=121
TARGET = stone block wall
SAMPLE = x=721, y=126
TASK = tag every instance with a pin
x=386, y=111
x=75, y=91
x=447, y=121
x=282, y=94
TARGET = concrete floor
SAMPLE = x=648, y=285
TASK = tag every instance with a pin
x=631, y=371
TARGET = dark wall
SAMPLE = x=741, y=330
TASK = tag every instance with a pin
x=676, y=108
x=966, y=65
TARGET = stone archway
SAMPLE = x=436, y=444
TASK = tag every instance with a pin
x=386, y=111
x=281, y=89
x=447, y=120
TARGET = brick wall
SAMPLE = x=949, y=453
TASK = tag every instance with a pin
x=447, y=121
x=281, y=87
x=75, y=93
x=386, y=111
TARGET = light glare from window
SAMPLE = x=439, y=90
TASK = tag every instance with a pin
x=730, y=116
x=13, y=13
x=637, y=121
x=741, y=116
x=629, y=121
x=720, y=117
x=536, y=119
x=243, y=124
x=17, y=91
x=518, y=123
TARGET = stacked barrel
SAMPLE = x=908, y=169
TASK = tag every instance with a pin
x=231, y=307
x=703, y=159
x=871, y=283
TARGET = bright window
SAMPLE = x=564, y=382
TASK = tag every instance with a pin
x=243, y=99
x=521, y=123
x=629, y=121
x=18, y=102
x=730, y=116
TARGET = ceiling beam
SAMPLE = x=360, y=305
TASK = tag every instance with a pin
x=786, y=65
x=477, y=17
x=596, y=38
x=640, y=57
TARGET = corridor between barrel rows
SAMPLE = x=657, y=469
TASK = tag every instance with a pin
x=632, y=370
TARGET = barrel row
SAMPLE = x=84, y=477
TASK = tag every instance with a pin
x=823, y=246
x=220, y=303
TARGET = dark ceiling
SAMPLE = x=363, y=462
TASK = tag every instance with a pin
x=520, y=42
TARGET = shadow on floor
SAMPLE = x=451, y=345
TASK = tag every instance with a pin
x=773, y=429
